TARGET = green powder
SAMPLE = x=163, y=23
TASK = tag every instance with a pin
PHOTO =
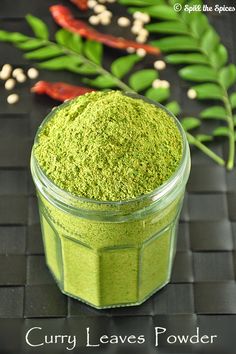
x=107, y=146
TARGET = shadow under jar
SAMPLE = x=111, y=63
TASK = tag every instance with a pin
x=110, y=254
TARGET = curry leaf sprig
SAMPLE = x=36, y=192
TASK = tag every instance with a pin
x=70, y=52
x=190, y=40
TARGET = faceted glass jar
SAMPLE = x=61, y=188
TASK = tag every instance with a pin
x=110, y=254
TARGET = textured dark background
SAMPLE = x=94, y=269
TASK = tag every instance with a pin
x=203, y=288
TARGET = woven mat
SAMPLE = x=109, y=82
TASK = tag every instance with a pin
x=202, y=291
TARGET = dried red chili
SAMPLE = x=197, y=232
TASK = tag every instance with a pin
x=64, y=18
x=81, y=4
x=59, y=90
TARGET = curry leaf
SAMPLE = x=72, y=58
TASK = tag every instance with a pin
x=192, y=58
x=76, y=43
x=102, y=81
x=227, y=76
x=208, y=91
x=38, y=26
x=219, y=56
x=198, y=73
x=158, y=11
x=188, y=17
x=138, y=2
x=69, y=40
x=141, y=80
x=215, y=112
x=204, y=137
x=209, y=41
x=233, y=100
x=62, y=36
x=31, y=44
x=158, y=94
x=173, y=2
x=86, y=69
x=168, y=27
x=189, y=123
x=173, y=107
x=222, y=53
x=60, y=63
x=44, y=53
x=93, y=50
x=195, y=2
x=199, y=24
x=13, y=37
x=123, y=65
x=221, y=131
x=180, y=43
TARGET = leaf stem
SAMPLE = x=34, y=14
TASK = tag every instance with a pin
x=230, y=121
x=192, y=140
x=100, y=70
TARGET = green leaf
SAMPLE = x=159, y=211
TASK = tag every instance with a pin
x=31, y=44
x=215, y=112
x=76, y=43
x=158, y=94
x=102, y=81
x=138, y=2
x=44, y=53
x=208, y=91
x=192, y=58
x=93, y=50
x=123, y=65
x=174, y=27
x=189, y=123
x=187, y=16
x=221, y=131
x=13, y=37
x=233, y=100
x=38, y=26
x=86, y=69
x=60, y=63
x=173, y=2
x=173, y=107
x=209, y=41
x=198, y=73
x=203, y=138
x=141, y=80
x=62, y=36
x=69, y=40
x=195, y=2
x=227, y=76
x=181, y=43
x=234, y=118
x=219, y=56
x=199, y=24
x=163, y=12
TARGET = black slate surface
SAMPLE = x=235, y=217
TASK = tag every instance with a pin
x=203, y=287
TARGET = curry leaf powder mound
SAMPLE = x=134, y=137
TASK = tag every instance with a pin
x=109, y=147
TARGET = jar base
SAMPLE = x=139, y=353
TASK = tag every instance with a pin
x=103, y=307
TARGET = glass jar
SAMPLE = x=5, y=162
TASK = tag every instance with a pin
x=110, y=254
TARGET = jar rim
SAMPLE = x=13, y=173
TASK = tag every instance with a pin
x=40, y=177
